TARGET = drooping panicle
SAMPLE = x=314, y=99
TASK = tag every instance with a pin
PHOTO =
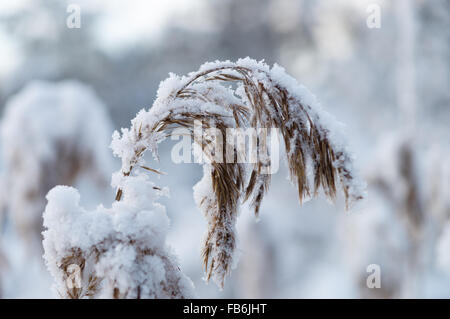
x=243, y=94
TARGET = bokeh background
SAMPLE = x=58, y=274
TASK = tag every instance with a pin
x=63, y=91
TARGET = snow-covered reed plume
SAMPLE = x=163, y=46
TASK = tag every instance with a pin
x=220, y=95
x=51, y=133
x=262, y=97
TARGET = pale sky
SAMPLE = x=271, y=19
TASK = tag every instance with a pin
x=124, y=23
x=120, y=24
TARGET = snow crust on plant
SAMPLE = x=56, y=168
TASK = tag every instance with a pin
x=122, y=247
x=204, y=199
x=181, y=95
x=121, y=251
x=126, y=145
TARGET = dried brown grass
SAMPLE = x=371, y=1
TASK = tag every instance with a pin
x=269, y=105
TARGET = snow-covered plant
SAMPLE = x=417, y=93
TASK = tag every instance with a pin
x=118, y=252
x=51, y=134
x=220, y=95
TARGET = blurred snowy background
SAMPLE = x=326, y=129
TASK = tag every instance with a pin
x=63, y=91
